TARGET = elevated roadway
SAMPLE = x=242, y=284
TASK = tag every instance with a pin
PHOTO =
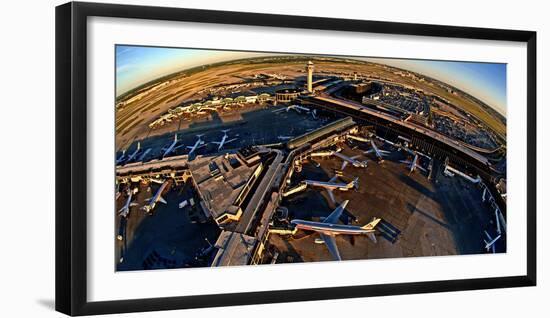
x=435, y=142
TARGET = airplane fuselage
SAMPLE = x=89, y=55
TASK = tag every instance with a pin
x=156, y=197
x=329, y=185
x=376, y=151
x=355, y=163
x=170, y=148
x=134, y=154
x=126, y=208
x=145, y=153
x=195, y=146
x=329, y=228
x=413, y=163
x=222, y=142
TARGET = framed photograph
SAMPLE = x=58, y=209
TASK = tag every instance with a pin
x=209, y=158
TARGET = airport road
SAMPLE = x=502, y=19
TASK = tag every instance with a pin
x=430, y=133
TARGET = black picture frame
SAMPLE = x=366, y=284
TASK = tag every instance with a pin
x=71, y=157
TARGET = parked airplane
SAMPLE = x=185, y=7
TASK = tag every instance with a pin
x=490, y=244
x=330, y=227
x=125, y=210
x=332, y=185
x=224, y=140
x=134, y=154
x=172, y=147
x=121, y=158
x=144, y=154
x=299, y=109
x=353, y=160
x=413, y=164
x=199, y=143
x=394, y=144
x=156, y=198
x=379, y=153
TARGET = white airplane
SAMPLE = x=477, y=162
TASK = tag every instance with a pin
x=199, y=143
x=122, y=157
x=329, y=228
x=490, y=244
x=299, y=109
x=144, y=154
x=125, y=210
x=332, y=185
x=134, y=154
x=172, y=147
x=224, y=140
x=353, y=160
x=413, y=164
x=156, y=198
x=394, y=144
x=379, y=153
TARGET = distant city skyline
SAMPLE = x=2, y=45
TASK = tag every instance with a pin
x=136, y=65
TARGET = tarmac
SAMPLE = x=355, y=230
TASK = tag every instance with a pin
x=420, y=217
x=168, y=238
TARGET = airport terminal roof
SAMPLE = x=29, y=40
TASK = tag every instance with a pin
x=218, y=182
x=234, y=249
x=310, y=136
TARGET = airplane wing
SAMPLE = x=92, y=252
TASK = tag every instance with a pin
x=355, y=157
x=331, y=196
x=330, y=242
x=335, y=215
x=189, y=147
x=368, y=151
x=419, y=167
x=333, y=178
x=230, y=140
x=344, y=164
x=216, y=142
x=384, y=151
x=161, y=199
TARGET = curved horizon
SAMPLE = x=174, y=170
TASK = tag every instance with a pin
x=138, y=65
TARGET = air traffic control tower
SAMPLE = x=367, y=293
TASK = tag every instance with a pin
x=309, y=69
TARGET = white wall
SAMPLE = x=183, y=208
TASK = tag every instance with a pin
x=27, y=235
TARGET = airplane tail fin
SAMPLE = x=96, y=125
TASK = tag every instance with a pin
x=161, y=199
x=139, y=145
x=372, y=224
x=175, y=137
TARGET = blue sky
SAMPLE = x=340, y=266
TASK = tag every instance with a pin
x=136, y=65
